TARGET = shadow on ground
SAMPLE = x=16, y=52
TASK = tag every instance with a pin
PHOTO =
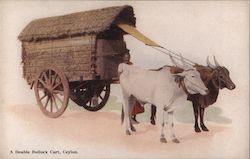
x=184, y=114
x=212, y=113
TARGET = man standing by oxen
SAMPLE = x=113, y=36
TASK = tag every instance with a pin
x=137, y=108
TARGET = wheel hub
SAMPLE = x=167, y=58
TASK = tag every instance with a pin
x=49, y=88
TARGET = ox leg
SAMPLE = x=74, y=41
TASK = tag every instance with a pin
x=122, y=119
x=153, y=112
x=126, y=114
x=163, y=123
x=171, y=124
x=132, y=101
x=196, y=115
x=132, y=126
x=203, y=127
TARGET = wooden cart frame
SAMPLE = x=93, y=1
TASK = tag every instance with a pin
x=74, y=56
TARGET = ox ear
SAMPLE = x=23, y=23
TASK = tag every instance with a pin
x=214, y=74
x=176, y=70
x=178, y=78
x=180, y=75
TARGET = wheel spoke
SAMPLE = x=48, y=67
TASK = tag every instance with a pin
x=58, y=98
x=46, y=103
x=42, y=97
x=50, y=76
x=45, y=77
x=58, y=92
x=101, y=96
x=51, y=105
x=56, y=106
x=44, y=84
x=58, y=84
x=53, y=82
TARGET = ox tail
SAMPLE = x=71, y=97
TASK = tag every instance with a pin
x=122, y=116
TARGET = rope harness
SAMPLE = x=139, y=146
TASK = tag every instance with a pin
x=217, y=84
x=173, y=55
x=180, y=81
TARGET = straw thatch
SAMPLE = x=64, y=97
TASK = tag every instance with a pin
x=84, y=46
x=88, y=22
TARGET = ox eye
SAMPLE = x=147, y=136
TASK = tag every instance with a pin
x=192, y=76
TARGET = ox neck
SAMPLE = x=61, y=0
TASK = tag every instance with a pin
x=213, y=90
x=180, y=81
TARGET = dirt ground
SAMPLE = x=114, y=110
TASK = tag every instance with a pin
x=83, y=134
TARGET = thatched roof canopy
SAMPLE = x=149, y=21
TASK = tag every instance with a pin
x=88, y=22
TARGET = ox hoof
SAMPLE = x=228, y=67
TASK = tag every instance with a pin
x=128, y=132
x=204, y=128
x=152, y=121
x=163, y=140
x=133, y=128
x=197, y=129
x=175, y=140
x=134, y=121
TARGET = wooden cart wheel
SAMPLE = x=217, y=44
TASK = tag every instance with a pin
x=80, y=94
x=92, y=95
x=99, y=96
x=52, y=92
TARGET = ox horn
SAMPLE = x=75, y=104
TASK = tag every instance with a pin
x=173, y=61
x=209, y=64
x=185, y=64
x=176, y=63
x=216, y=62
x=182, y=60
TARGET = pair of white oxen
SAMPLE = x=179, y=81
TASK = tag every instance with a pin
x=158, y=88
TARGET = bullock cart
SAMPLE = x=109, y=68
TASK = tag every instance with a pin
x=74, y=56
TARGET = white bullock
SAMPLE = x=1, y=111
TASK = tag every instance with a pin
x=161, y=88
